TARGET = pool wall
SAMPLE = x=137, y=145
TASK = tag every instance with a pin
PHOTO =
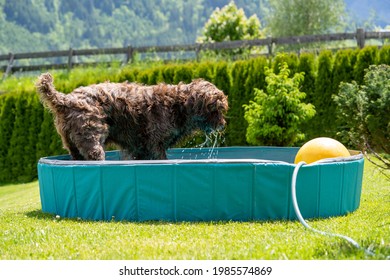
x=241, y=184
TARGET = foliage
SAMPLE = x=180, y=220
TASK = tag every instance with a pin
x=231, y=24
x=221, y=77
x=342, y=68
x=366, y=57
x=384, y=55
x=274, y=116
x=307, y=64
x=365, y=110
x=18, y=138
x=7, y=119
x=43, y=25
x=322, y=99
x=304, y=17
x=290, y=58
x=235, y=131
x=183, y=73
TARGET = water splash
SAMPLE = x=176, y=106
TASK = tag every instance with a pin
x=214, y=134
x=211, y=140
x=207, y=148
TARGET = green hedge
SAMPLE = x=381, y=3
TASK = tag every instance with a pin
x=27, y=132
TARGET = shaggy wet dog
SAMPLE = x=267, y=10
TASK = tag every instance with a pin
x=142, y=120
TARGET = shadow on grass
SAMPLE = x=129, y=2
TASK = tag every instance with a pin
x=39, y=214
x=340, y=249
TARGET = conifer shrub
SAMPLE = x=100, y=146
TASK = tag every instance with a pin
x=7, y=119
x=222, y=78
x=183, y=73
x=19, y=140
x=384, y=55
x=49, y=142
x=365, y=111
x=275, y=115
x=291, y=59
x=128, y=74
x=342, y=68
x=256, y=76
x=307, y=63
x=143, y=76
x=204, y=70
x=366, y=57
x=168, y=73
x=155, y=76
x=236, y=125
x=322, y=124
x=35, y=113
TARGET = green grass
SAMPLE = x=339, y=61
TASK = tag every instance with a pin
x=27, y=233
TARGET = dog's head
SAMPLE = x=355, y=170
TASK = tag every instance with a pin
x=206, y=105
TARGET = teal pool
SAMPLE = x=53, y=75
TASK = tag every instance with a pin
x=229, y=183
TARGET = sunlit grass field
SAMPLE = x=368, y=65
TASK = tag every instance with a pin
x=27, y=233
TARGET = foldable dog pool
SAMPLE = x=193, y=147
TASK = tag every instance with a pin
x=237, y=183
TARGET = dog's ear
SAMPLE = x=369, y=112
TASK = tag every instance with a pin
x=198, y=103
x=218, y=102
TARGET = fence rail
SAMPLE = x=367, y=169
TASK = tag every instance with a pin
x=360, y=36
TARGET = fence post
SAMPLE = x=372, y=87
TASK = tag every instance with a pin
x=197, y=51
x=70, y=58
x=129, y=54
x=9, y=66
x=269, y=45
x=360, y=37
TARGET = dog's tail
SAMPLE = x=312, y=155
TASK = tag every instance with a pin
x=49, y=95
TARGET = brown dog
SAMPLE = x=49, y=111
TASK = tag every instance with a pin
x=143, y=120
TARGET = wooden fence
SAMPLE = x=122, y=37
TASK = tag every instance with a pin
x=360, y=36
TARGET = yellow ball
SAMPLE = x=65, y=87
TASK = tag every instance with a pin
x=320, y=148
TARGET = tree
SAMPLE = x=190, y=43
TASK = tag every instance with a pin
x=230, y=24
x=35, y=18
x=274, y=116
x=304, y=17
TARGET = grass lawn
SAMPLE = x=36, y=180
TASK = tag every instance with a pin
x=27, y=233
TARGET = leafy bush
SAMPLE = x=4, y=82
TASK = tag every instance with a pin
x=365, y=110
x=274, y=116
x=230, y=24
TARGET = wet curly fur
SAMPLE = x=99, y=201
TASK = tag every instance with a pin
x=142, y=120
